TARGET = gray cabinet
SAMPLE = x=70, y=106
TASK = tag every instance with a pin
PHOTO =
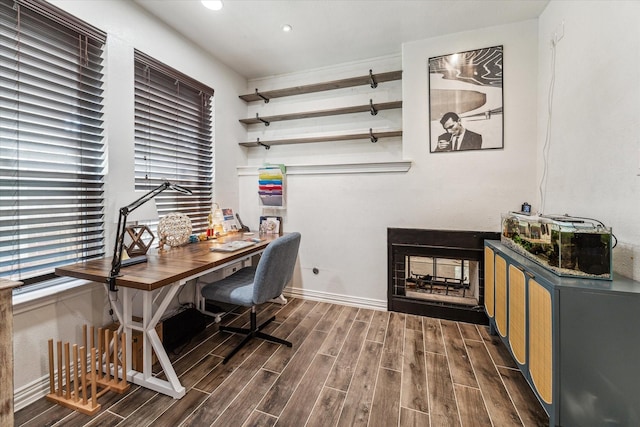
x=576, y=341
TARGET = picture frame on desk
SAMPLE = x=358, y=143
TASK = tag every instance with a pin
x=229, y=223
x=271, y=225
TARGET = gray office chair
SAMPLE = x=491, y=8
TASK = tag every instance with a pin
x=255, y=285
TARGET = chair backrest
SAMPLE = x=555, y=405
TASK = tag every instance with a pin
x=275, y=267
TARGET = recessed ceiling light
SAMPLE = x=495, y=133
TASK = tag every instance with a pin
x=287, y=28
x=212, y=4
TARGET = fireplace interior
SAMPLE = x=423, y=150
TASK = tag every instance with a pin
x=437, y=273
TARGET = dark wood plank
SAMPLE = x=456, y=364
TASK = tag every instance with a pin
x=260, y=419
x=461, y=370
x=499, y=405
x=289, y=309
x=409, y=418
x=148, y=412
x=471, y=406
x=37, y=408
x=242, y=407
x=48, y=418
x=233, y=385
x=298, y=408
x=307, y=140
x=323, y=113
x=414, y=372
x=105, y=419
x=338, y=334
x=78, y=419
x=199, y=371
x=433, y=341
x=329, y=319
x=364, y=315
x=277, y=397
x=393, y=342
x=345, y=365
x=327, y=408
x=385, y=409
x=413, y=322
x=531, y=413
x=222, y=373
x=444, y=409
x=469, y=331
x=498, y=351
x=132, y=402
x=357, y=404
x=378, y=327
x=284, y=354
x=320, y=87
x=181, y=409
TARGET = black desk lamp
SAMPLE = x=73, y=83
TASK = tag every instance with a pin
x=117, y=262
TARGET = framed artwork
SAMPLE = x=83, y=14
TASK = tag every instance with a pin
x=271, y=225
x=465, y=101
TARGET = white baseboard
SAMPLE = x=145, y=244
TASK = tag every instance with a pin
x=30, y=393
x=336, y=298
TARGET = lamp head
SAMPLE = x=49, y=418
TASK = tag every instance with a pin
x=179, y=188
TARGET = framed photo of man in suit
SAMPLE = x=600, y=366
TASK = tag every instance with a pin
x=466, y=101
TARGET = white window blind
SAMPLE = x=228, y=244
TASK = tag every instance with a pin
x=51, y=140
x=173, y=138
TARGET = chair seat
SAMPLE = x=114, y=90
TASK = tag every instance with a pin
x=251, y=286
x=234, y=289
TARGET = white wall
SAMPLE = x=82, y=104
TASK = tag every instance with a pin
x=127, y=27
x=343, y=218
x=594, y=150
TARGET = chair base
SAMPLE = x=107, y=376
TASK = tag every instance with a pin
x=252, y=332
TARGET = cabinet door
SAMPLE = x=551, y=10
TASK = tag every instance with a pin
x=489, y=284
x=517, y=314
x=541, y=340
x=501, y=295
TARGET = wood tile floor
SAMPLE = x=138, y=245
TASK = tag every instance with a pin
x=347, y=367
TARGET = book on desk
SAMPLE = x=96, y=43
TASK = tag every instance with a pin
x=233, y=246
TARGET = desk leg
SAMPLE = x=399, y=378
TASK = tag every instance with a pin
x=151, y=316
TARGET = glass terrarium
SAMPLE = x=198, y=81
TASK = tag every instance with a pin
x=568, y=246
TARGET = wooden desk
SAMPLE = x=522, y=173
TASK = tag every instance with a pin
x=159, y=280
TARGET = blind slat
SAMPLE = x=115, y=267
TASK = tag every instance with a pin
x=51, y=140
x=173, y=138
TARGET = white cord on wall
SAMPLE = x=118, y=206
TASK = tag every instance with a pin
x=547, y=142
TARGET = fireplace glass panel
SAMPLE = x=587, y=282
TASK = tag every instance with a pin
x=441, y=279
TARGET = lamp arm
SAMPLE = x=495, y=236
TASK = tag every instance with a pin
x=116, y=262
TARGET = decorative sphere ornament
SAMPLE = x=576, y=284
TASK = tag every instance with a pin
x=174, y=229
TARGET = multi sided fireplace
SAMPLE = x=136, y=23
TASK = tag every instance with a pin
x=437, y=273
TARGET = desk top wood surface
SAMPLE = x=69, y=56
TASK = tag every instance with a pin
x=164, y=267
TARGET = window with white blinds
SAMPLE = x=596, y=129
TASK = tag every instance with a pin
x=173, y=138
x=51, y=140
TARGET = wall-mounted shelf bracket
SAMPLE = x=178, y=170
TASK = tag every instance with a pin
x=373, y=138
x=266, y=123
x=264, y=98
x=372, y=108
x=266, y=147
x=372, y=80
